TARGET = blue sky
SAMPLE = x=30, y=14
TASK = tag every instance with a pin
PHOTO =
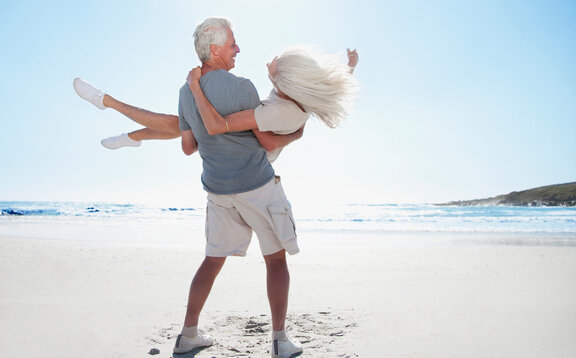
x=458, y=100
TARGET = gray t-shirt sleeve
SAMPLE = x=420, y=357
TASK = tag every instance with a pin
x=184, y=126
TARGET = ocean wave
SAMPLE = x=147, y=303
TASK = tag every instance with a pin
x=25, y=212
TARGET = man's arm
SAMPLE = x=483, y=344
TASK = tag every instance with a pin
x=272, y=141
x=189, y=144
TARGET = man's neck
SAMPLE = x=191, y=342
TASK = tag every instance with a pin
x=211, y=66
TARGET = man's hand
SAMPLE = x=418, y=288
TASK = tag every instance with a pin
x=352, y=59
x=189, y=144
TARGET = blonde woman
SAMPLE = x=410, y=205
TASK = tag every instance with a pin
x=304, y=85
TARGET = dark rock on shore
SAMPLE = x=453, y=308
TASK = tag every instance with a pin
x=154, y=351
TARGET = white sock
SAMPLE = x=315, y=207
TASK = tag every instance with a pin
x=131, y=140
x=100, y=100
x=279, y=335
x=190, y=332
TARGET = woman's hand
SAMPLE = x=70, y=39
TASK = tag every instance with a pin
x=193, y=78
x=352, y=59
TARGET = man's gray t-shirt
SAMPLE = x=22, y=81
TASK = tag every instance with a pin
x=232, y=162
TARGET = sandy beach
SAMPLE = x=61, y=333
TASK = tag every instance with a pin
x=352, y=295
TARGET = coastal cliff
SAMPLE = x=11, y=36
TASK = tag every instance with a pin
x=550, y=195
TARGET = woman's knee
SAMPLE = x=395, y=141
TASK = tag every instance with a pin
x=173, y=124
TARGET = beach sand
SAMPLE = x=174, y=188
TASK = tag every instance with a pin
x=352, y=295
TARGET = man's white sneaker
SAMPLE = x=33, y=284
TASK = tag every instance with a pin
x=286, y=349
x=186, y=344
x=88, y=92
x=120, y=141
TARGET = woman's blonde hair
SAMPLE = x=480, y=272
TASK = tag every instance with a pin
x=321, y=85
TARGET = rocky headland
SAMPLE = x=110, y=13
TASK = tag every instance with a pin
x=550, y=195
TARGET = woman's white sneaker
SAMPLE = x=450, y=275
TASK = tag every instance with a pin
x=88, y=92
x=120, y=141
x=186, y=344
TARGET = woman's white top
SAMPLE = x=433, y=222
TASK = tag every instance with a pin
x=279, y=116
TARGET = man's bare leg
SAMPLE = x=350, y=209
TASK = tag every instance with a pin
x=190, y=338
x=167, y=123
x=278, y=282
x=201, y=287
x=278, y=285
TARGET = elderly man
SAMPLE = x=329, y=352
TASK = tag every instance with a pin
x=244, y=195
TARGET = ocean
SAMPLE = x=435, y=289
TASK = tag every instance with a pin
x=147, y=223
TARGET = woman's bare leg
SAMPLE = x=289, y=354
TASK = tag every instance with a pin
x=157, y=122
x=147, y=134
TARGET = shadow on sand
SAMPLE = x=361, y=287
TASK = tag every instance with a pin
x=190, y=354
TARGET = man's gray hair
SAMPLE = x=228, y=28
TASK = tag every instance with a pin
x=321, y=85
x=213, y=30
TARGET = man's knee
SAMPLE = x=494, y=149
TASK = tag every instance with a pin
x=276, y=259
x=280, y=255
x=214, y=263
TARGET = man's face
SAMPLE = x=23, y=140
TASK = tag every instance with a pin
x=228, y=51
x=272, y=68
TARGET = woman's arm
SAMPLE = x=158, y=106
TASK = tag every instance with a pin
x=213, y=121
x=271, y=141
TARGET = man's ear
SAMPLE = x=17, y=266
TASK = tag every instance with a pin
x=214, y=50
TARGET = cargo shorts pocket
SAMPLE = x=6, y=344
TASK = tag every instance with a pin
x=283, y=223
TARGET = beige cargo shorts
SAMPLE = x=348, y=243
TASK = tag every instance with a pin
x=231, y=219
